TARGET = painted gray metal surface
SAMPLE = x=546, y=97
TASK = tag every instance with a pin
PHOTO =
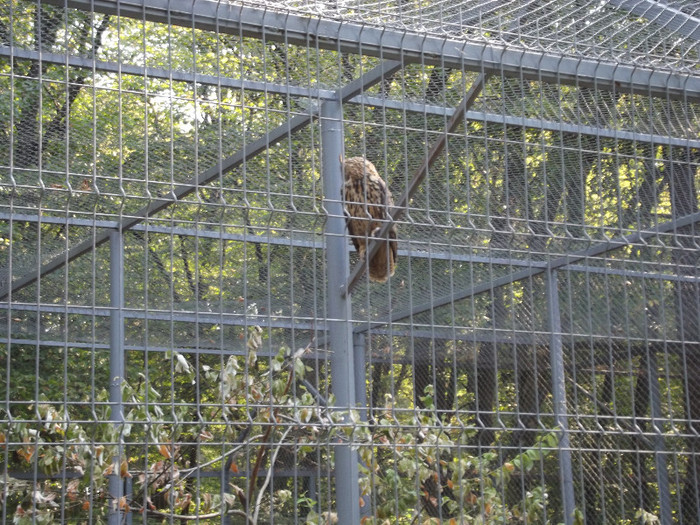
x=275, y=26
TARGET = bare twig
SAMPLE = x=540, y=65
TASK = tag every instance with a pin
x=273, y=417
x=197, y=517
x=261, y=492
x=191, y=471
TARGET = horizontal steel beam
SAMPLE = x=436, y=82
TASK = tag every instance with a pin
x=189, y=316
x=296, y=242
x=327, y=94
x=230, y=349
x=149, y=72
x=571, y=340
x=526, y=273
x=400, y=45
x=296, y=472
x=558, y=126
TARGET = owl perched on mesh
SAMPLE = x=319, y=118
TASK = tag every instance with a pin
x=367, y=201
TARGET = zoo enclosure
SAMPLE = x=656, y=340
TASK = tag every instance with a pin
x=543, y=159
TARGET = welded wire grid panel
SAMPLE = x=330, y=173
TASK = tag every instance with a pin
x=188, y=332
x=636, y=31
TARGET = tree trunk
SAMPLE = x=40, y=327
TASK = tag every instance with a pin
x=27, y=140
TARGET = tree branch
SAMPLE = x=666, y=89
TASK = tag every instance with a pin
x=197, y=517
x=261, y=492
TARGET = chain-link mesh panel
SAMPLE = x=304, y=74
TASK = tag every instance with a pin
x=188, y=331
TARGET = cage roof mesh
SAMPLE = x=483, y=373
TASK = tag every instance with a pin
x=639, y=32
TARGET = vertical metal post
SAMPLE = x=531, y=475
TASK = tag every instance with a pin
x=116, y=365
x=339, y=308
x=361, y=397
x=659, y=444
x=559, y=395
x=360, y=375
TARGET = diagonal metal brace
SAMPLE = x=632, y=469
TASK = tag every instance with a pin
x=158, y=204
x=419, y=175
x=562, y=261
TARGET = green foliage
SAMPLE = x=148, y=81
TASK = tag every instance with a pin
x=176, y=447
x=414, y=467
x=424, y=468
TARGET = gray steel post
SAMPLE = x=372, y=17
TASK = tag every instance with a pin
x=116, y=365
x=339, y=309
x=659, y=442
x=360, y=374
x=361, y=396
x=559, y=395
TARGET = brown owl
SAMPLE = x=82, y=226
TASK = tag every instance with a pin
x=367, y=202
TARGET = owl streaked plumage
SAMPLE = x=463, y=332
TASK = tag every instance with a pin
x=367, y=201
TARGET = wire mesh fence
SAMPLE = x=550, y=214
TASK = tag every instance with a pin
x=189, y=332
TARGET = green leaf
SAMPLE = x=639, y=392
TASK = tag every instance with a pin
x=299, y=368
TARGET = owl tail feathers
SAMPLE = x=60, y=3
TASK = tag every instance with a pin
x=383, y=264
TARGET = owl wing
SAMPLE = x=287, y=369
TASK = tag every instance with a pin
x=378, y=197
x=393, y=244
x=352, y=207
x=381, y=200
x=388, y=202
